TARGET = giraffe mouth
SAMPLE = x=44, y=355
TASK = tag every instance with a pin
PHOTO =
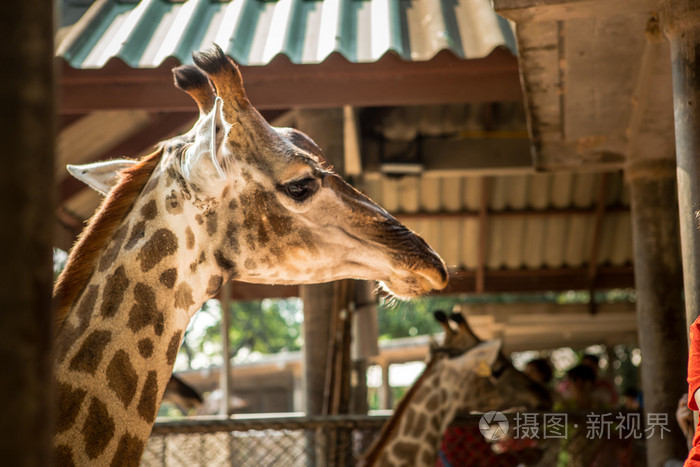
x=407, y=284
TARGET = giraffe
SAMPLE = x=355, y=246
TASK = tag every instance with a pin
x=231, y=198
x=464, y=374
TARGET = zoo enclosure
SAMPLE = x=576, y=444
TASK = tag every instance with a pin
x=341, y=440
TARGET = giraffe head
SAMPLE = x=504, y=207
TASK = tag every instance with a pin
x=502, y=386
x=272, y=211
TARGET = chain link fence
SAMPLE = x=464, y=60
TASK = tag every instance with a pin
x=536, y=439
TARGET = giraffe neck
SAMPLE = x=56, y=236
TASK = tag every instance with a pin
x=117, y=347
x=413, y=434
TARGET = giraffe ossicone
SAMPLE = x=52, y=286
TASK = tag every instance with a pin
x=231, y=198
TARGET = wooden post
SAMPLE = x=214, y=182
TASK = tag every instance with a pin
x=681, y=23
x=26, y=203
x=661, y=321
x=225, y=374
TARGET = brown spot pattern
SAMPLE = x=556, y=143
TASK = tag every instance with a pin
x=128, y=452
x=63, y=456
x=161, y=244
x=152, y=183
x=224, y=263
x=433, y=403
x=173, y=347
x=87, y=306
x=168, y=277
x=115, y=288
x=408, y=421
x=89, y=356
x=137, y=233
x=231, y=238
x=183, y=296
x=122, y=377
x=98, y=429
x=189, y=238
x=172, y=203
x=212, y=222
x=144, y=312
x=111, y=252
x=199, y=219
x=250, y=264
x=214, y=285
x=406, y=451
x=145, y=346
x=420, y=425
x=149, y=211
x=149, y=397
x=69, y=400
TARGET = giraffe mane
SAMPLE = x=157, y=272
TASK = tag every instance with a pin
x=97, y=234
x=375, y=449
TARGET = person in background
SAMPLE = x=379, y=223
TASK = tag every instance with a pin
x=631, y=400
x=693, y=459
x=540, y=370
x=604, y=388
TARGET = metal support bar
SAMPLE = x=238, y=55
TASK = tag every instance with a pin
x=225, y=373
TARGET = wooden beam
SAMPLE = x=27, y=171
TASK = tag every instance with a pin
x=495, y=281
x=540, y=280
x=442, y=215
x=557, y=10
x=281, y=84
x=598, y=228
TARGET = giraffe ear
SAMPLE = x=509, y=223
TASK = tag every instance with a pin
x=100, y=176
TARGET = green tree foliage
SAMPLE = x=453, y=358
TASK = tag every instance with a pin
x=266, y=327
x=412, y=318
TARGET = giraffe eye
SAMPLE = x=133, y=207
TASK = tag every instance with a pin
x=301, y=190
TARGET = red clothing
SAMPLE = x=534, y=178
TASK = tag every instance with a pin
x=693, y=385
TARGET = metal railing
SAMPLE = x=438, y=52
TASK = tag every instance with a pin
x=579, y=439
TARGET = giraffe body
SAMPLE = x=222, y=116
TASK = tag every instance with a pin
x=464, y=374
x=232, y=198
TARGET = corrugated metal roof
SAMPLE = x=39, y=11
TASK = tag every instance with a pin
x=534, y=220
x=143, y=34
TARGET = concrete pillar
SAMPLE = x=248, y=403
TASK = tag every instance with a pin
x=681, y=23
x=660, y=315
x=385, y=399
x=318, y=304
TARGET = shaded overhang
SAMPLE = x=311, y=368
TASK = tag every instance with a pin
x=597, y=81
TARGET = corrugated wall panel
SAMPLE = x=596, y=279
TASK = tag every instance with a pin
x=533, y=243
x=496, y=242
x=555, y=235
x=450, y=190
x=514, y=233
x=472, y=193
x=561, y=189
x=409, y=193
x=622, y=250
x=585, y=190
x=470, y=243
x=451, y=239
x=517, y=186
x=578, y=243
x=539, y=191
x=430, y=199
